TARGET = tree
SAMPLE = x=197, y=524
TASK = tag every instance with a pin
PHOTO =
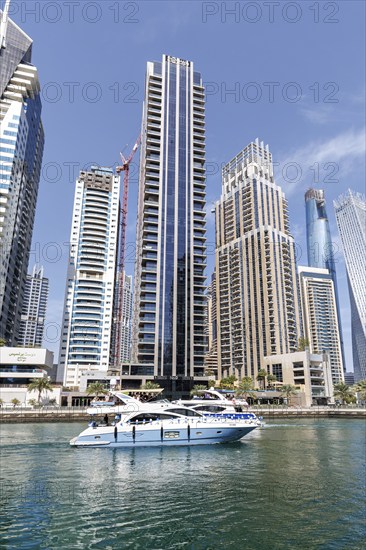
x=210, y=373
x=33, y=402
x=288, y=390
x=303, y=343
x=41, y=385
x=1, y=402
x=149, y=385
x=228, y=382
x=2, y=343
x=360, y=388
x=246, y=386
x=271, y=378
x=15, y=402
x=97, y=389
x=261, y=377
x=197, y=389
x=344, y=393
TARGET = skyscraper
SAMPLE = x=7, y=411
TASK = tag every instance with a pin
x=169, y=295
x=320, y=317
x=350, y=210
x=34, y=309
x=126, y=330
x=319, y=244
x=21, y=151
x=88, y=311
x=211, y=328
x=257, y=293
x=318, y=239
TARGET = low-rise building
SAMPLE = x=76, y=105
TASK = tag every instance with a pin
x=309, y=372
x=18, y=368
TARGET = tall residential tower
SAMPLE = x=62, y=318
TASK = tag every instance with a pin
x=257, y=295
x=320, y=317
x=34, y=309
x=126, y=329
x=88, y=311
x=21, y=151
x=169, y=296
x=350, y=211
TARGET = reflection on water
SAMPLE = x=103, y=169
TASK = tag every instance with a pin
x=289, y=485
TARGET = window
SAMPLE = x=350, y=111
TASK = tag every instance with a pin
x=143, y=418
x=184, y=412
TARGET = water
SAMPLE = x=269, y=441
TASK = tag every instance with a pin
x=293, y=484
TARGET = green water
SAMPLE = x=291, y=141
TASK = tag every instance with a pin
x=293, y=484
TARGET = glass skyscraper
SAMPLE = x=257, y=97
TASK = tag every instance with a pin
x=88, y=310
x=350, y=210
x=319, y=244
x=169, y=295
x=256, y=287
x=318, y=239
x=21, y=151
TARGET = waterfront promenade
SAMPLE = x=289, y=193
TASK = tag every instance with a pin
x=77, y=414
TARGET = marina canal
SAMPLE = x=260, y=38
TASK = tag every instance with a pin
x=296, y=483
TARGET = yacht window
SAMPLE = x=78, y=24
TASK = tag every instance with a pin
x=210, y=408
x=146, y=417
x=184, y=412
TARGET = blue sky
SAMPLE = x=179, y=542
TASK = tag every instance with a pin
x=290, y=73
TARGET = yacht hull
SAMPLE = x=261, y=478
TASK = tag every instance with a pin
x=162, y=435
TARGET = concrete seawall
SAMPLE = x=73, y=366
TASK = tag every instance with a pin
x=80, y=415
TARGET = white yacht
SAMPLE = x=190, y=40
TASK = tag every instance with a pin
x=214, y=404
x=163, y=425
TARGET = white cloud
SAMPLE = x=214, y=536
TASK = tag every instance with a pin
x=320, y=115
x=321, y=162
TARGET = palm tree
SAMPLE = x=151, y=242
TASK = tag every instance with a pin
x=344, y=393
x=271, y=378
x=261, y=377
x=288, y=390
x=197, y=389
x=210, y=373
x=33, y=402
x=97, y=389
x=303, y=343
x=360, y=388
x=41, y=385
x=228, y=382
x=150, y=385
x=15, y=402
x=246, y=386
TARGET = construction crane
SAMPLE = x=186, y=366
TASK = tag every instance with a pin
x=125, y=167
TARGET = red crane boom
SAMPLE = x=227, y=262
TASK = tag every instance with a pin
x=125, y=167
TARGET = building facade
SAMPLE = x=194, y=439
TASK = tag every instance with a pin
x=309, y=372
x=320, y=247
x=211, y=329
x=88, y=310
x=350, y=211
x=126, y=331
x=256, y=286
x=34, y=309
x=320, y=317
x=21, y=151
x=169, y=291
x=21, y=366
